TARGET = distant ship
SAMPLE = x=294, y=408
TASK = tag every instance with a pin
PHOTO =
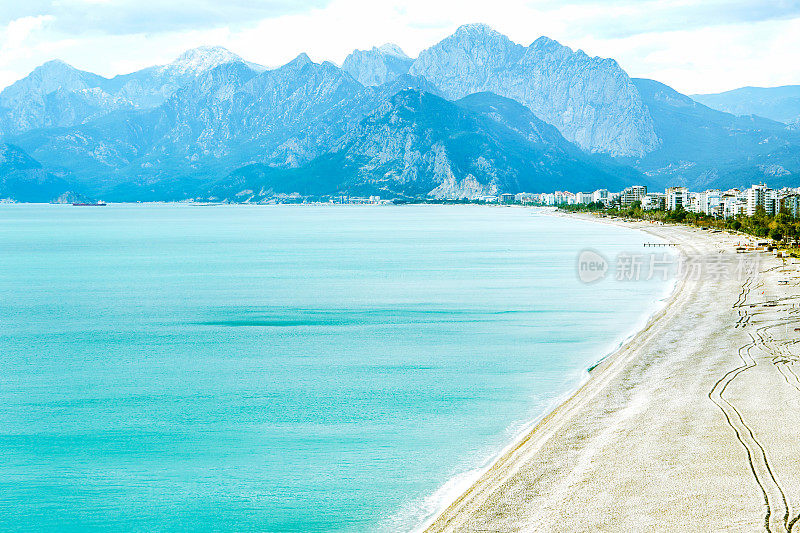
x=89, y=203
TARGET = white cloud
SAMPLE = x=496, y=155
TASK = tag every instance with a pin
x=15, y=46
x=16, y=33
x=712, y=59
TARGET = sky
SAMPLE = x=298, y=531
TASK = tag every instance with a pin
x=694, y=46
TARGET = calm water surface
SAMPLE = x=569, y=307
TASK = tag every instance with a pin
x=282, y=368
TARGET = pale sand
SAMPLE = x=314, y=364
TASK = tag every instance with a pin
x=693, y=425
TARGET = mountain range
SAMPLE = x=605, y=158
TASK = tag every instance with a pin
x=777, y=103
x=475, y=114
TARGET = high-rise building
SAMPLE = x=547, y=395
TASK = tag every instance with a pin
x=632, y=194
x=653, y=201
x=790, y=202
x=709, y=202
x=600, y=195
x=677, y=198
x=760, y=195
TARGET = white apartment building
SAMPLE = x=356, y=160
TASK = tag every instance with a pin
x=600, y=195
x=733, y=206
x=760, y=195
x=677, y=197
x=632, y=194
x=526, y=197
x=693, y=202
x=709, y=202
x=790, y=202
x=773, y=206
x=653, y=201
x=713, y=202
x=548, y=199
x=506, y=197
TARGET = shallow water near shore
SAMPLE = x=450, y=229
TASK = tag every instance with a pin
x=288, y=368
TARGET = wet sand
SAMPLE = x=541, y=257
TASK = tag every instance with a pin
x=693, y=425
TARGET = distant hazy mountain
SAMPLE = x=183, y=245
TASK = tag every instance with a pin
x=22, y=178
x=58, y=95
x=227, y=117
x=776, y=103
x=702, y=147
x=592, y=101
x=417, y=143
x=475, y=114
x=378, y=65
x=54, y=94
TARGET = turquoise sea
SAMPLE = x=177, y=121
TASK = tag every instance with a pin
x=283, y=368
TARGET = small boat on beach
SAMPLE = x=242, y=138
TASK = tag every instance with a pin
x=87, y=204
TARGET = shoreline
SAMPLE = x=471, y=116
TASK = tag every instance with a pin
x=531, y=426
x=575, y=467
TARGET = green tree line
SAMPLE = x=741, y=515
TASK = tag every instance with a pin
x=781, y=227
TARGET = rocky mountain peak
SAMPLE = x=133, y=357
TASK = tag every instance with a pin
x=473, y=36
x=545, y=42
x=591, y=101
x=377, y=66
x=55, y=65
x=475, y=29
x=296, y=64
x=45, y=79
x=201, y=59
x=391, y=49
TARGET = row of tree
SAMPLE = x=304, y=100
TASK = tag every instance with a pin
x=781, y=227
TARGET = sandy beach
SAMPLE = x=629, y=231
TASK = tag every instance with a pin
x=692, y=425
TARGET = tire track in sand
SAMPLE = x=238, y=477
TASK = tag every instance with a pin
x=776, y=519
